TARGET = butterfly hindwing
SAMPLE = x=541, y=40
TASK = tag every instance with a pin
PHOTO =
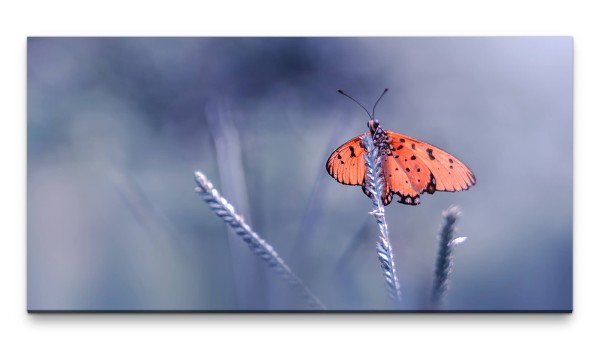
x=407, y=177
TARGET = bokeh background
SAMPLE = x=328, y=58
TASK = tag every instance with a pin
x=117, y=127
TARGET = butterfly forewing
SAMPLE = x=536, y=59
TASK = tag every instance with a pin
x=347, y=164
x=447, y=172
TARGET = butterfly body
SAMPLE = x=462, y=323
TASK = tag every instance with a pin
x=380, y=137
x=410, y=166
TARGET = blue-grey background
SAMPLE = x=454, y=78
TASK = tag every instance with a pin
x=117, y=126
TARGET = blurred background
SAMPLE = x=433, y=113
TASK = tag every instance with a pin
x=117, y=127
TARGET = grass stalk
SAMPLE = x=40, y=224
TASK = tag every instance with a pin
x=374, y=184
x=443, y=263
x=259, y=246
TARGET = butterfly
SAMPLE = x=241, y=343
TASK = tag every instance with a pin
x=410, y=166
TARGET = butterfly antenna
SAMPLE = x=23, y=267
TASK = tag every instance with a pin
x=359, y=104
x=376, y=102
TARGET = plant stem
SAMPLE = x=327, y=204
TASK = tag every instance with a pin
x=374, y=185
x=259, y=246
x=443, y=263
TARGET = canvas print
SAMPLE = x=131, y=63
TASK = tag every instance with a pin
x=300, y=174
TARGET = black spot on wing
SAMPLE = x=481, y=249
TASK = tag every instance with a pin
x=431, y=185
x=430, y=153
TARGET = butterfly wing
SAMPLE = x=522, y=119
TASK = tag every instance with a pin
x=413, y=167
x=405, y=177
x=424, y=168
x=347, y=166
x=347, y=163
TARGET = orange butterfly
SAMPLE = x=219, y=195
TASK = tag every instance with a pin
x=409, y=166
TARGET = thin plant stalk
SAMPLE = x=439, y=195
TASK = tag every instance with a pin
x=374, y=185
x=259, y=246
x=248, y=276
x=443, y=263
